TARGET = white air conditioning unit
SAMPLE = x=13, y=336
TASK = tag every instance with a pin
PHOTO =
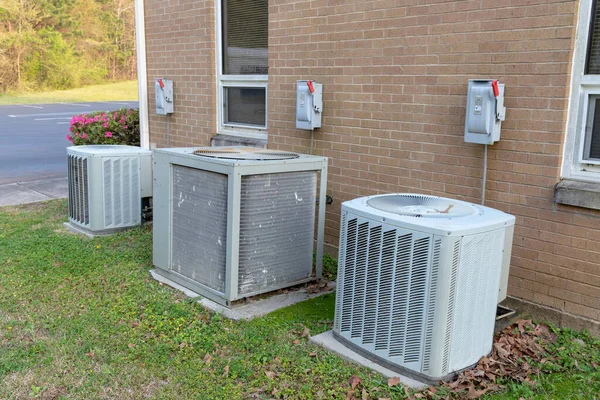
x=106, y=187
x=418, y=281
x=230, y=223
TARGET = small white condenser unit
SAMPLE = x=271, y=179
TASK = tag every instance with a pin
x=106, y=187
x=419, y=280
x=230, y=223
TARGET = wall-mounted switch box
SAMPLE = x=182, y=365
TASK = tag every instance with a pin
x=164, y=96
x=485, y=111
x=309, y=104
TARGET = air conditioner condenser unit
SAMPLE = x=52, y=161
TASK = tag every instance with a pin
x=231, y=223
x=419, y=280
x=106, y=186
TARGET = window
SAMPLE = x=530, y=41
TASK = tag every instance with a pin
x=243, y=67
x=582, y=145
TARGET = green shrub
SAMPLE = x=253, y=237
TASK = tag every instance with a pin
x=112, y=127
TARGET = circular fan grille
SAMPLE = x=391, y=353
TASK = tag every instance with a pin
x=421, y=206
x=244, y=153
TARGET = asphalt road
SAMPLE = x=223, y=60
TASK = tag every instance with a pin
x=33, y=138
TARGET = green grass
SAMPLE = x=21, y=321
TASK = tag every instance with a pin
x=83, y=319
x=127, y=90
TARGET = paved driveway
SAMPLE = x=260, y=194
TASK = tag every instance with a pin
x=33, y=163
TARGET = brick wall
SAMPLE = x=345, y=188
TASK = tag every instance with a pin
x=180, y=45
x=395, y=78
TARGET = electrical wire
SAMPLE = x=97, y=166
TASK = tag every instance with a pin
x=168, y=129
x=484, y=174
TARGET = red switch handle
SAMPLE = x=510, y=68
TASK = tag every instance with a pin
x=495, y=87
x=162, y=85
x=311, y=88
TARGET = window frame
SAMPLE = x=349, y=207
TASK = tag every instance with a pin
x=583, y=85
x=243, y=81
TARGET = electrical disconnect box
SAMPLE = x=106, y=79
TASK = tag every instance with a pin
x=485, y=111
x=309, y=104
x=164, y=96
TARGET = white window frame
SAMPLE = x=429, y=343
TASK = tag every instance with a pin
x=582, y=87
x=244, y=81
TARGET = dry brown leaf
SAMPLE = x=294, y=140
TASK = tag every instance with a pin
x=207, y=359
x=226, y=371
x=296, y=341
x=312, y=354
x=274, y=392
x=365, y=395
x=475, y=394
x=305, y=333
x=350, y=395
x=393, y=381
x=131, y=345
x=90, y=354
x=270, y=374
x=354, y=381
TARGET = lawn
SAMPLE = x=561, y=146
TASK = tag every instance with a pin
x=127, y=90
x=83, y=319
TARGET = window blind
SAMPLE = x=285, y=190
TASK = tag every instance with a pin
x=595, y=138
x=593, y=55
x=245, y=37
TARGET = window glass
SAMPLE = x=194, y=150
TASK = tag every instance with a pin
x=593, y=150
x=245, y=106
x=245, y=37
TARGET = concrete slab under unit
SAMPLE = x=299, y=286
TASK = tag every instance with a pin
x=245, y=311
x=328, y=341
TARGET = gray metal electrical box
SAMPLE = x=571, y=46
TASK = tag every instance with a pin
x=485, y=111
x=164, y=96
x=309, y=104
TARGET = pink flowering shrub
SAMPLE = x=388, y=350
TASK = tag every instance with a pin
x=112, y=127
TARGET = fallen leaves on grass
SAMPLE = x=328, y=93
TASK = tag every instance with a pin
x=270, y=374
x=318, y=287
x=512, y=353
x=393, y=381
x=354, y=381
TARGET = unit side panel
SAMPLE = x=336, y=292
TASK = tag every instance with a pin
x=199, y=226
x=476, y=297
x=121, y=191
x=277, y=222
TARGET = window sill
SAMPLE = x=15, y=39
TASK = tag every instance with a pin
x=578, y=194
x=231, y=140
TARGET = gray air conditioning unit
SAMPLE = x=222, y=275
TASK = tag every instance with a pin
x=418, y=281
x=234, y=222
x=106, y=187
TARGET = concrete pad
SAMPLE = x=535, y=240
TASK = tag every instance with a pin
x=54, y=188
x=245, y=311
x=13, y=194
x=328, y=341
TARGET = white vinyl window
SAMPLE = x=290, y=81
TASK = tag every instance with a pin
x=582, y=144
x=242, y=67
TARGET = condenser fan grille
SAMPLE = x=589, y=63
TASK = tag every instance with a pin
x=245, y=153
x=421, y=206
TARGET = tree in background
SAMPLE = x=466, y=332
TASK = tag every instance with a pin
x=60, y=44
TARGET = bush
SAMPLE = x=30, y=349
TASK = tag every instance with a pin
x=113, y=127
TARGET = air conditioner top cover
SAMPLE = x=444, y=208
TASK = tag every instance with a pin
x=106, y=150
x=430, y=214
x=240, y=156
